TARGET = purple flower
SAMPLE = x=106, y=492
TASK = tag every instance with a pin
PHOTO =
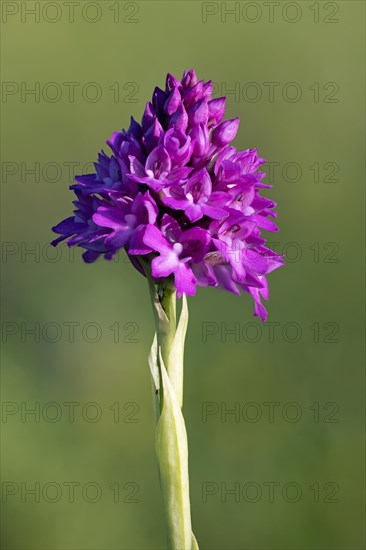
x=175, y=192
x=196, y=198
x=177, y=249
x=128, y=219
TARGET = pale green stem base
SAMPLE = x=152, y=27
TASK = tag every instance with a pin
x=166, y=365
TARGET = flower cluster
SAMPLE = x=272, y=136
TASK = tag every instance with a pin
x=176, y=192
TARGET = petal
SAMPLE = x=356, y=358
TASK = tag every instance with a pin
x=179, y=174
x=194, y=212
x=176, y=204
x=204, y=274
x=119, y=238
x=213, y=212
x=90, y=256
x=136, y=167
x=67, y=226
x=216, y=110
x=193, y=94
x=173, y=102
x=179, y=121
x=154, y=238
x=158, y=99
x=148, y=117
x=158, y=161
x=198, y=114
x=254, y=261
x=152, y=135
x=225, y=132
x=151, y=207
x=185, y=281
x=136, y=243
x=189, y=78
x=265, y=223
x=165, y=264
x=199, y=185
x=170, y=228
x=112, y=217
x=224, y=278
x=171, y=82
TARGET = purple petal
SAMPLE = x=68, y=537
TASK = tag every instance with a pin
x=170, y=228
x=171, y=82
x=119, y=238
x=158, y=100
x=179, y=121
x=173, y=102
x=154, y=238
x=214, y=212
x=198, y=114
x=225, y=132
x=152, y=135
x=189, y=79
x=111, y=217
x=193, y=94
x=185, y=281
x=216, y=110
x=158, y=162
x=165, y=264
x=224, y=278
x=148, y=117
x=194, y=212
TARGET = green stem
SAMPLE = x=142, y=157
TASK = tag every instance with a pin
x=166, y=364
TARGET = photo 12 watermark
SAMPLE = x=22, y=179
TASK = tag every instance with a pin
x=253, y=492
x=68, y=92
x=68, y=332
x=51, y=13
x=271, y=332
x=276, y=91
x=70, y=412
x=245, y=12
x=269, y=412
x=70, y=492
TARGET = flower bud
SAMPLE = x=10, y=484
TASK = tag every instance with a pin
x=179, y=120
x=148, y=117
x=207, y=90
x=152, y=135
x=171, y=82
x=135, y=129
x=173, y=102
x=158, y=99
x=189, y=79
x=198, y=114
x=200, y=139
x=178, y=146
x=225, y=132
x=192, y=95
x=216, y=110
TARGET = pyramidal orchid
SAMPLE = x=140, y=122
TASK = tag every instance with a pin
x=187, y=208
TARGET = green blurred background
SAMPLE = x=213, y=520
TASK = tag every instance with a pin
x=310, y=451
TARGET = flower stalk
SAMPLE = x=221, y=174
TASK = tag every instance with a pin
x=166, y=365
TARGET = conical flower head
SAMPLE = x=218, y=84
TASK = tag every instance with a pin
x=175, y=193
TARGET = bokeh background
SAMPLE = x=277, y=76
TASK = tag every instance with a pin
x=297, y=473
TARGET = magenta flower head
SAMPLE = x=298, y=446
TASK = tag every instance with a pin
x=176, y=194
